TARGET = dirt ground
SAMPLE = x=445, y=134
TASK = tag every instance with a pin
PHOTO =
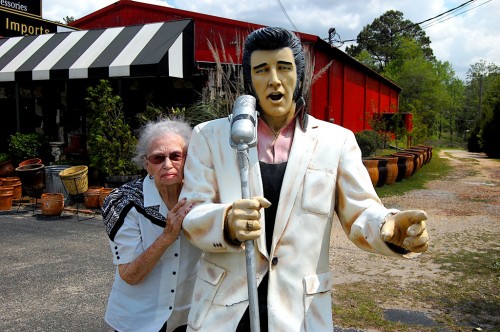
x=461, y=207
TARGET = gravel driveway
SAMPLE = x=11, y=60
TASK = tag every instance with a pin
x=464, y=216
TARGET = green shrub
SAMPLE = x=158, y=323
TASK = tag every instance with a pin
x=111, y=141
x=27, y=146
x=4, y=157
x=369, y=142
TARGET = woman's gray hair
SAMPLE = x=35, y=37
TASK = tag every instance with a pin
x=155, y=129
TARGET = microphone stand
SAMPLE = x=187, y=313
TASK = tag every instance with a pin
x=242, y=151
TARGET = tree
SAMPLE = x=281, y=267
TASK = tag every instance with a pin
x=419, y=82
x=68, y=19
x=480, y=79
x=383, y=37
x=490, y=124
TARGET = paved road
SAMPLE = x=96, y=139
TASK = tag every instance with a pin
x=55, y=273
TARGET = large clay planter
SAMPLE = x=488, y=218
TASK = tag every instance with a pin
x=415, y=160
x=392, y=169
x=15, y=183
x=32, y=177
x=419, y=157
x=372, y=168
x=423, y=151
x=6, y=200
x=30, y=161
x=382, y=172
x=6, y=168
x=405, y=165
x=429, y=151
x=52, y=204
x=103, y=193
x=91, y=197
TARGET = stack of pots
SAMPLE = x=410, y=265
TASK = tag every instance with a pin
x=15, y=183
x=6, y=197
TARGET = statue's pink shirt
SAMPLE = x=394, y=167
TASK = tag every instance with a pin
x=274, y=149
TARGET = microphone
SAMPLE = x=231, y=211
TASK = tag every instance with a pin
x=243, y=136
x=243, y=122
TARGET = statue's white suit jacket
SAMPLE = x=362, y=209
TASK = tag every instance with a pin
x=324, y=175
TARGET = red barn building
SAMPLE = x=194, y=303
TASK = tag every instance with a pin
x=347, y=94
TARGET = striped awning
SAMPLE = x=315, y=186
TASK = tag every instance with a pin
x=156, y=49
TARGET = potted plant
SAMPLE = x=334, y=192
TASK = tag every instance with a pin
x=28, y=146
x=111, y=142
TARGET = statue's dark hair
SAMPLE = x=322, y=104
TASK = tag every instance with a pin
x=272, y=38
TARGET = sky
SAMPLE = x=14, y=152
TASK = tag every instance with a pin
x=462, y=38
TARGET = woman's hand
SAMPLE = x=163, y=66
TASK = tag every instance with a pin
x=175, y=217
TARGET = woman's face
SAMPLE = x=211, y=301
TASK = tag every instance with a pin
x=165, y=160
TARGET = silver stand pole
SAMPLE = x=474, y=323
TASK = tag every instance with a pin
x=249, y=245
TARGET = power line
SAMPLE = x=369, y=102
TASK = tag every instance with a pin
x=286, y=14
x=443, y=20
x=444, y=14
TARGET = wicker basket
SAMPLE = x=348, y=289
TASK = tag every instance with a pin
x=75, y=179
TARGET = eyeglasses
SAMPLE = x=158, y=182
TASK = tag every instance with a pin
x=159, y=158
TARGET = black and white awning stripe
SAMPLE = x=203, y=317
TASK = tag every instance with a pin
x=155, y=49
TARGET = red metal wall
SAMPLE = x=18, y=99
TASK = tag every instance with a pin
x=347, y=94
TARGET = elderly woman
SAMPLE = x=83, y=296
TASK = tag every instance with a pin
x=156, y=265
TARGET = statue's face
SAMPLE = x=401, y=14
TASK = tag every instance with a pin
x=274, y=77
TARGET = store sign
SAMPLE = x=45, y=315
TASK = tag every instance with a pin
x=14, y=24
x=32, y=7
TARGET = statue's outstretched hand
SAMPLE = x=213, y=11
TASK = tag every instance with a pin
x=407, y=229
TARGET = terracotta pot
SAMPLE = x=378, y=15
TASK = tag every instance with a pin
x=382, y=171
x=52, y=204
x=6, y=201
x=392, y=169
x=15, y=183
x=30, y=161
x=404, y=172
x=6, y=168
x=429, y=151
x=4, y=189
x=91, y=197
x=423, y=151
x=32, y=177
x=418, y=156
x=9, y=181
x=103, y=193
x=372, y=168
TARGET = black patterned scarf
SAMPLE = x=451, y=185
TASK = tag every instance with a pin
x=119, y=202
